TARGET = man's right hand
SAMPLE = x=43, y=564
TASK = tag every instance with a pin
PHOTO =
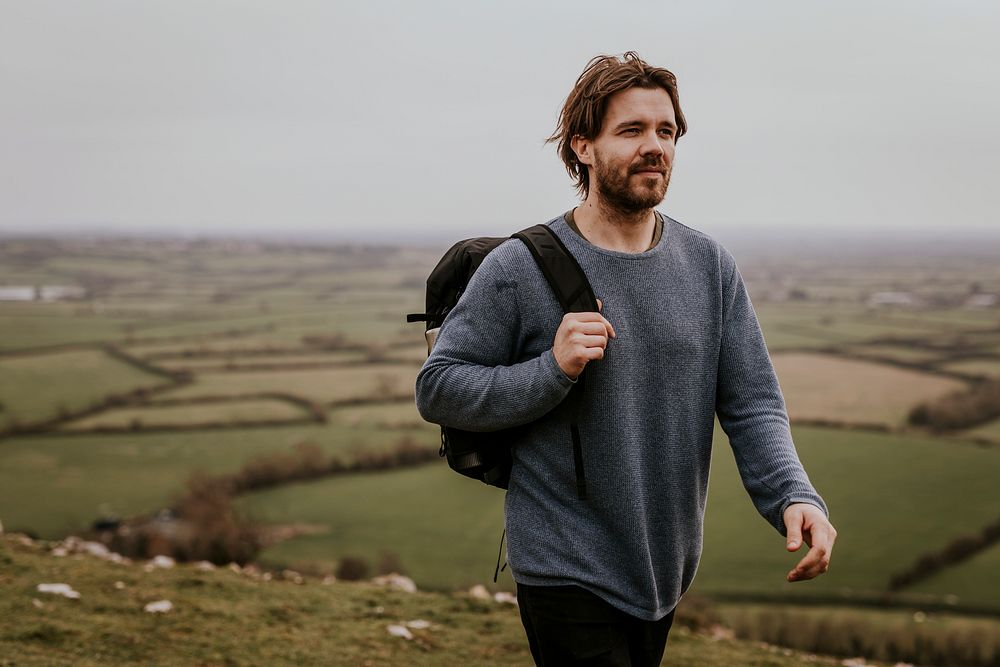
x=581, y=338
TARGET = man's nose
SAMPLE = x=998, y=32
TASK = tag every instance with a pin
x=652, y=145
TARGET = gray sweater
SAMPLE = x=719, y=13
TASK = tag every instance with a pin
x=688, y=347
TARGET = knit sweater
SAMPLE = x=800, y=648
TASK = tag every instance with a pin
x=688, y=348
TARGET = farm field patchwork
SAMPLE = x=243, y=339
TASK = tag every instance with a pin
x=51, y=485
x=417, y=511
x=23, y=330
x=830, y=324
x=38, y=386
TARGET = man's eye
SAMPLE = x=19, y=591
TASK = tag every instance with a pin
x=631, y=131
x=667, y=133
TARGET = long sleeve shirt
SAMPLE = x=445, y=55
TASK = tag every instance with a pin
x=688, y=348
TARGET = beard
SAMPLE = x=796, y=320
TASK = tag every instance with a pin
x=615, y=188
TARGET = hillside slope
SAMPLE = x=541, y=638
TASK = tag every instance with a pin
x=226, y=617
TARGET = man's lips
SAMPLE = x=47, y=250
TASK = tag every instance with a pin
x=649, y=170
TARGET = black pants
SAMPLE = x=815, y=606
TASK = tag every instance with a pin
x=569, y=625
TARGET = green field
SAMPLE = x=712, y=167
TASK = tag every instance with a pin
x=896, y=353
x=51, y=485
x=989, y=431
x=968, y=582
x=233, y=362
x=323, y=385
x=35, y=387
x=975, y=366
x=390, y=415
x=892, y=499
x=445, y=529
x=26, y=325
x=172, y=415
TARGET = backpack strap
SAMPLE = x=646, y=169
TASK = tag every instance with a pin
x=567, y=279
x=560, y=268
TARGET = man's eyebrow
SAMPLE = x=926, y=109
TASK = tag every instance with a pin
x=638, y=123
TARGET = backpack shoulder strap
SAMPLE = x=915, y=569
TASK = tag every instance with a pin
x=575, y=295
x=560, y=268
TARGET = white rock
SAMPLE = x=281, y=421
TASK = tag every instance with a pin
x=480, y=593
x=59, y=589
x=37, y=603
x=204, y=566
x=166, y=562
x=235, y=567
x=396, y=581
x=505, y=597
x=400, y=631
x=418, y=624
x=854, y=662
x=59, y=552
x=159, y=607
x=329, y=579
x=119, y=585
x=95, y=549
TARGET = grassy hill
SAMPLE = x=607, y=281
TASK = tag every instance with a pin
x=223, y=617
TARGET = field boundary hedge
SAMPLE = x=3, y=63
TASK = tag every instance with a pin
x=203, y=524
x=871, y=600
x=975, y=406
x=955, y=553
x=109, y=402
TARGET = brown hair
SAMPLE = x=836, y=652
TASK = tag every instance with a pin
x=583, y=112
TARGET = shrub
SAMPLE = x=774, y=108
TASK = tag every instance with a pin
x=352, y=568
x=696, y=613
x=964, y=409
x=389, y=563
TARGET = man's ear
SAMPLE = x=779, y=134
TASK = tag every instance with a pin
x=584, y=149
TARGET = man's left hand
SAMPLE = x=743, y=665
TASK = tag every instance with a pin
x=807, y=522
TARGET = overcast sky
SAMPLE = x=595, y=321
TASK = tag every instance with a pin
x=401, y=120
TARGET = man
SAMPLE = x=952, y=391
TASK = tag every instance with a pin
x=676, y=342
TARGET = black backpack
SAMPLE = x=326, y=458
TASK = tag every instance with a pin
x=486, y=455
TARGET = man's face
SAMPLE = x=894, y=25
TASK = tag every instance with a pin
x=630, y=160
